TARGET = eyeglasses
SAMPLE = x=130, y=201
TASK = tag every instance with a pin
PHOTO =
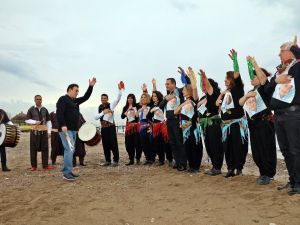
x=38, y=99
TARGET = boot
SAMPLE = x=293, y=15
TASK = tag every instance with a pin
x=5, y=168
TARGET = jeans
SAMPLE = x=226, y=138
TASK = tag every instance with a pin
x=68, y=153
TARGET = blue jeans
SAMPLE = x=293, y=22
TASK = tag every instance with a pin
x=68, y=154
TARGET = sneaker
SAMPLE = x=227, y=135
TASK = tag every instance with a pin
x=265, y=180
x=33, y=168
x=68, y=177
x=48, y=167
x=239, y=173
x=181, y=168
x=114, y=164
x=213, y=172
x=106, y=164
x=138, y=161
x=5, y=169
x=294, y=191
x=161, y=163
x=286, y=186
x=230, y=173
x=75, y=175
x=129, y=163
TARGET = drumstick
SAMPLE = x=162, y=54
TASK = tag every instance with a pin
x=69, y=142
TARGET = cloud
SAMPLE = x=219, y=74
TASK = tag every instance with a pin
x=183, y=6
x=21, y=70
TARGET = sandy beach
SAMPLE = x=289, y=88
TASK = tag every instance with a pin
x=139, y=194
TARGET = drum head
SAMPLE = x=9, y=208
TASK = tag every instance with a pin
x=2, y=133
x=87, y=131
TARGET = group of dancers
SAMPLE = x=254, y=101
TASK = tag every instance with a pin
x=175, y=126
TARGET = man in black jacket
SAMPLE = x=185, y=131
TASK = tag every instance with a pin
x=287, y=112
x=67, y=113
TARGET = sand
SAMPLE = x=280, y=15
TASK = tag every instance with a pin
x=138, y=194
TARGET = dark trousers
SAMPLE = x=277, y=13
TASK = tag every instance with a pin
x=194, y=152
x=133, y=146
x=162, y=149
x=235, y=148
x=214, y=145
x=3, y=155
x=287, y=127
x=263, y=146
x=147, y=147
x=110, y=143
x=57, y=147
x=176, y=142
x=39, y=143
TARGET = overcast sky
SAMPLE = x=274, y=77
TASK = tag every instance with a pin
x=46, y=45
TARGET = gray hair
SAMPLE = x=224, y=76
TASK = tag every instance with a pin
x=286, y=45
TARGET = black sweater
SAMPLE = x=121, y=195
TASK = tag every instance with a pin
x=67, y=110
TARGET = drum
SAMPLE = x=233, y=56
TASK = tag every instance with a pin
x=9, y=135
x=89, y=134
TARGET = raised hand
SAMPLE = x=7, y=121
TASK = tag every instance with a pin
x=144, y=87
x=153, y=81
x=295, y=41
x=232, y=54
x=93, y=81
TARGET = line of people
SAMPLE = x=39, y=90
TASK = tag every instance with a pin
x=172, y=127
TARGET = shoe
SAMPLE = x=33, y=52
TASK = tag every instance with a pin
x=230, y=173
x=48, y=167
x=148, y=163
x=74, y=175
x=294, y=191
x=5, y=169
x=106, y=164
x=114, y=164
x=286, y=186
x=239, y=173
x=181, y=168
x=190, y=170
x=129, y=163
x=174, y=166
x=33, y=168
x=82, y=164
x=161, y=163
x=265, y=180
x=213, y=172
x=138, y=161
x=68, y=177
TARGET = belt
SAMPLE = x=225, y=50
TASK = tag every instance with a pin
x=292, y=108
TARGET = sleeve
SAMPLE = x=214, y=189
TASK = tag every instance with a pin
x=163, y=104
x=86, y=96
x=269, y=88
x=99, y=115
x=115, y=103
x=238, y=81
x=123, y=116
x=30, y=121
x=10, y=123
x=49, y=126
x=29, y=114
x=60, y=112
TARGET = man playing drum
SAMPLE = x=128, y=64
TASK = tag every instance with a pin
x=4, y=120
x=39, y=119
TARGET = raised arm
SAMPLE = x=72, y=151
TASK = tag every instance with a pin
x=154, y=88
x=262, y=77
x=193, y=80
x=114, y=104
x=88, y=92
x=236, y=69
x=209, y=89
